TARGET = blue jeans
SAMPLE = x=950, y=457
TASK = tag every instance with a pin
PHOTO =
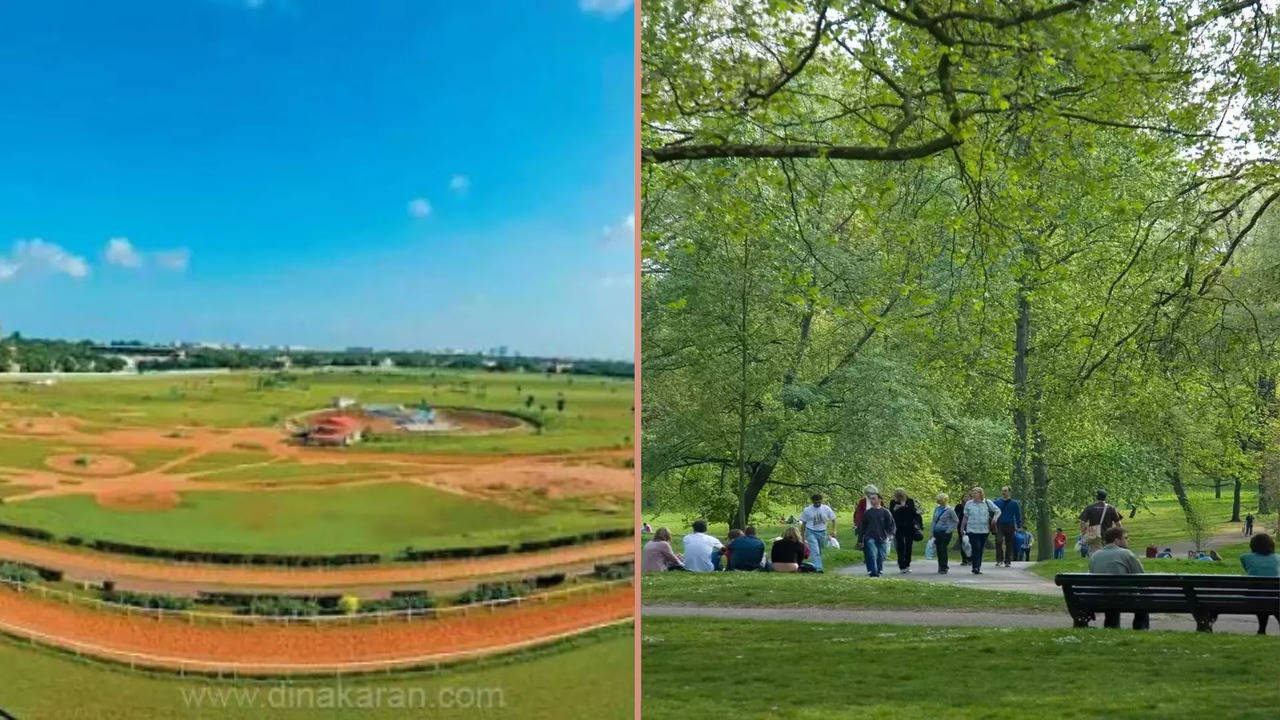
x=1058, y=552
x=816, y=539
x=874, y=552
x=977, y=541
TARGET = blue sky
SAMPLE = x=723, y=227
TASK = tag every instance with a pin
x=400, y=174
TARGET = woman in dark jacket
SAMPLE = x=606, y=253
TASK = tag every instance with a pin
x=908, y=524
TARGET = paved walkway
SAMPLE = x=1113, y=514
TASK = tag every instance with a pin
x=1161, y=621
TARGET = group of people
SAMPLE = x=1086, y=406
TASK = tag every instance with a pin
x=742, y=551
x=1115, y=558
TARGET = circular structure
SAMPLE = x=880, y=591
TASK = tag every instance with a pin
x=89, y=464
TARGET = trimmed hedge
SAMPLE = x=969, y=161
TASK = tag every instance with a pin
x=615, y=571
x=231, y=558
x=13, y=572
x=35, y=533
x=528, y=546
x=147, y=600
x=42, y=573
x=486, y=592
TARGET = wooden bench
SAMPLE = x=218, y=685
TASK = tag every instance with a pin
x=1205, y=597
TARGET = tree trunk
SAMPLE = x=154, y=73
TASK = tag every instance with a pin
x=1022, y=332
x=743, y=510
x=1217, y=488
x=759, y=477
x=1235, y=503
x=1179, y=490
x=1040, y=476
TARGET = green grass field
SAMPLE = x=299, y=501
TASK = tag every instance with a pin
x=381, y=519
x=746, y=589
x=292, y=471
x=216, y=461
x=30, y=454
x=1230, y=564
x=807, y=670
x=590, y=678
x=597, y=411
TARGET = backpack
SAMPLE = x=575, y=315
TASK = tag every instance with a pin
x=1094, y=532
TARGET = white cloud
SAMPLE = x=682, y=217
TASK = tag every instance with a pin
x=175, y=260
x=618, y=280
x=460, y=184
x=38, y=256
x=606, y=8
x=121, y=252
x=419, y=208
x=621, y=234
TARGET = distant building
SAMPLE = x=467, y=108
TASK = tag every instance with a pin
x=335, y=430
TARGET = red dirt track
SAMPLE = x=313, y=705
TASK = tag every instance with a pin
x=271, y=648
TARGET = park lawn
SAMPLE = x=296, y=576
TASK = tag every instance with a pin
x=382, y=518
x=886, y=672
x=753, y=589
x=589, y=677
x=1230, y=564
x=598, y=410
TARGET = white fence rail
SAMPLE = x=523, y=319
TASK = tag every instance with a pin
x=193, y=616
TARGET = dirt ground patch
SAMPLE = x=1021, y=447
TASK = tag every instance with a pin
x=299, y=644
x=89, y=464
x=138, y=500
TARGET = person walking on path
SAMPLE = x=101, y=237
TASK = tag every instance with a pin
x=960, y=544
x=1094, y=521
x=817, y=519
x=860, y=510
x=1007, y=548
x=658, y=556
x=1114, y=558
x=1262, y=561
x=979, y=521
x=1059, y=544
x=945, y=522
x=699, y=547
x=1024, y=541
x=1248, y=524
x=877, y=529
x=909, y=527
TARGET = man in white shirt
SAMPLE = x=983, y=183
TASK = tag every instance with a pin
x=817, y=519
x=698, y=547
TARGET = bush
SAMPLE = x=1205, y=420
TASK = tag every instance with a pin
x=280, y=606
x=417, y=600
x=349, y=604
x=486, y=592
x=13, y=572
x=147, y=600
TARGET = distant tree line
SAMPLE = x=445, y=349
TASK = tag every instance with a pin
x=41, y=355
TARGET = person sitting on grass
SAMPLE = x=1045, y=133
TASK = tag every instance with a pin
x=1151, y=551
x=699, y=547
x=1214, y=556
x=1203, y=557
x=745, y=552
x=1165, y=553
x=658, y=556
x=1262, y=561
x=1059, y=544
x=724, y=552
x=1114, y=558
x=788, y=552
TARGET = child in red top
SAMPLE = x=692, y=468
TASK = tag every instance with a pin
x=1059, y=545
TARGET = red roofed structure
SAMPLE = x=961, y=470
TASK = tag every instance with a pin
x=335, y=430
